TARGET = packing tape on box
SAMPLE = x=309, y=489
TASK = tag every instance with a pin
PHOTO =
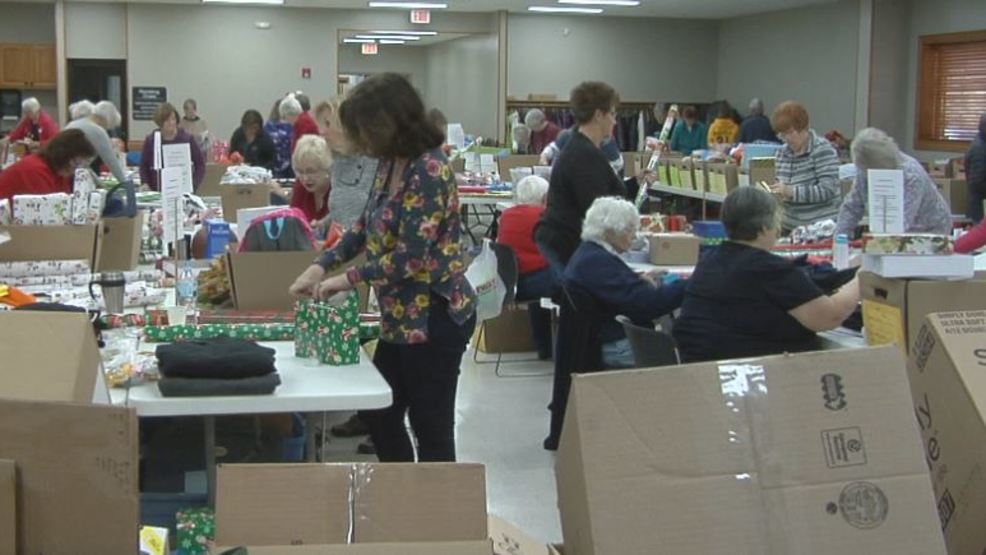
x=360, y=476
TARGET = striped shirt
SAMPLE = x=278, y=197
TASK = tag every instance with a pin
x=814, y=175
x=925, y=210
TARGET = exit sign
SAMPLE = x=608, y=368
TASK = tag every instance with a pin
x=421, y=17
x=369, y=48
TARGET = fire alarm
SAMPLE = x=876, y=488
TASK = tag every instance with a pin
x=306, y=73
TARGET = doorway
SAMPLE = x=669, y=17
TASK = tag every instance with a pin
x=96, y=80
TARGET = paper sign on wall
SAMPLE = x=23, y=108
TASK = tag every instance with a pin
x=172, y=180
x=885, y=202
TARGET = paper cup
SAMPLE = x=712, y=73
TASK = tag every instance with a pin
x=177, y=315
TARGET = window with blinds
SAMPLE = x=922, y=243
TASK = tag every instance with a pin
x=951, y=90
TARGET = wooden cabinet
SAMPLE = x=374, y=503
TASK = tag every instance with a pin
x=27, y=66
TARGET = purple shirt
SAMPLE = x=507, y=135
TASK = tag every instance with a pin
x=147, y=174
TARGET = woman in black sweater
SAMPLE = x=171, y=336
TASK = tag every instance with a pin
x=252, y=142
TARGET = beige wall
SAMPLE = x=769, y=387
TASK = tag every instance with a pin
x=806, y=54
x=888, y=82
x=644, y=59
x=406, y=60
x=462, y=82
x=96, y=31
x=27, y=22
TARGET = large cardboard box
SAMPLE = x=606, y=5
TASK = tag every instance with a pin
x=236, y=197
x=949, y=391
x=56, y=242
x=77, y=476
x=955, y=192
x=32, y=370
x=673, y=249
x=723, y=178
x=120, y=249
x=260, y=280
x=8, y=507
x=209, y=187
x=894, y=308
x=510, y=332
x=809, y=454
x=507, y=163
x=762, y=169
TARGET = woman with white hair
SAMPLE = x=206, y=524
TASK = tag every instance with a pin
x=925, y=211
x=535, y=280
x=312, y=162
x=80, y=109
x=36, y=127
x=104, y=117
x=293, y=112
x=543, y=132
x=596, y=268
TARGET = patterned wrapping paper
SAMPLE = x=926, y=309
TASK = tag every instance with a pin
x=907, y=243
x=6, y=218
x=80, y=207
x=221, y=316
x=327, y=331
x=195, y=529
x=247, y=332
x=35, y=268
x=53, y=209
x=137, y=294
x=77, y=280
x=85, y=181
x=97, y=202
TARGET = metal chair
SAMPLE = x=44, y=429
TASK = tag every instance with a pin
x=507, y=269
x=650, y=347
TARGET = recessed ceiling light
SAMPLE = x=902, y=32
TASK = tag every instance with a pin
x=390, y=37
x=417, y=33
x=391, y=41
x=409, y=5
x=601, y=2
x=560, y=9
x=266, y=2
x=358, y=41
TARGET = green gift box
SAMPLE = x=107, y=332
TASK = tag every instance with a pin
x=195, y=529
x=329, y=332
x=247, y=332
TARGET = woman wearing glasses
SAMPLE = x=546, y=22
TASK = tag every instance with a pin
x=312, y=162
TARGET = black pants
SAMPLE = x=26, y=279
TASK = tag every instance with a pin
x=424, y=378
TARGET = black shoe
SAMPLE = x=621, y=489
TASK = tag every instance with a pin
x=366, y=448
x=354, y=427
x=550, y=443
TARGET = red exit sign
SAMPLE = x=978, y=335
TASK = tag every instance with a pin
x=421, y=17
x=369, y=48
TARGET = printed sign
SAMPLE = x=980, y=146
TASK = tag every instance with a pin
x=146, y=100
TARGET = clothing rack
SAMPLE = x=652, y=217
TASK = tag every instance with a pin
x=628, y=134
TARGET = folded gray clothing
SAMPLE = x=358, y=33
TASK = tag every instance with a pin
x=206, y=387
x=220, y=358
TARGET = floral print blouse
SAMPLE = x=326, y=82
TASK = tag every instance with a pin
x=413, y=249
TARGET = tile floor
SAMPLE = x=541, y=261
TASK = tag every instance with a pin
x=501, y=423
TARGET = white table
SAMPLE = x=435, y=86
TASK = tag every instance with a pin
x=473, y=207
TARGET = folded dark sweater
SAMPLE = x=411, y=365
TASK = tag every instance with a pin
x=205, y=387
x=220, y=358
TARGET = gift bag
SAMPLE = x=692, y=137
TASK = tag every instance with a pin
x=328, y=331
x=485, y=280
x=195, y=530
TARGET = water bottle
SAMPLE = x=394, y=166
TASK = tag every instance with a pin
x=185, y=282
x=840, y=251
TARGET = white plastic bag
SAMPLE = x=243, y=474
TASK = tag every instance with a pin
x=485, y=280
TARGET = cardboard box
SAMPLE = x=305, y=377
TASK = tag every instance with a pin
x=62, y=242
x=762, y=169
x=77, y=476
x=69, y=372
x=505, y=164
x=955, y=192
x=236, y=197
x=510, y=332
x=954, y=266
x=701, y=176
x=673, y=249
x=8, y=507
x=723, y=178
x=209, y=187
x=120, y=249
x=685, y=175
x=949, y=391
x=894, y=309
x=330, y=504
x=815, y=453
x=260, y=280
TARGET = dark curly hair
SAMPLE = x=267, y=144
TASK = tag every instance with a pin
x=590, y=96
x=65, y=147
x=385, y=118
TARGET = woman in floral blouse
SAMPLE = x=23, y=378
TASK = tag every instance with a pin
x=410, y=234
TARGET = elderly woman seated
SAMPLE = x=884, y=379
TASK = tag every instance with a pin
x=596, y=268
x=744, y=301
x=925, y=211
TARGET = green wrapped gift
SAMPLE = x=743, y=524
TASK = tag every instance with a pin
x=327, y=331
x=195, y=530
x=247, y=332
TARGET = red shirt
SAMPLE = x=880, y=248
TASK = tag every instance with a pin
x=32, y=176
x=304, y=126
x=972, y=239
x=43, y=132
x=305, y=201
x=517, y=231
x=541, y=140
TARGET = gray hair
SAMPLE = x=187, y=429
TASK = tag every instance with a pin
x=756, y=107
x=313, y=148
x=522, y=134
x=107, y=110
x=30, y=106
x=872, y=149
x=748, y=211
x=534, y=118
x=290, y=106
x=609, y=215
x=80, y=109
x=531, y=190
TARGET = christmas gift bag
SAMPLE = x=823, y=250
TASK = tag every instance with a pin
x=196, y=530
x=329, y=331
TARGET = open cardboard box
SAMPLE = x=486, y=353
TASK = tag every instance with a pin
x=949, y=391
x=236, y=197
x=723, y=178
x=686, y=175
x=762, y=169
x=673, y=249
x=507, y=163
x=260, y=280
x=363, y=508
x=812, y=454
x=8, y=507
x=120, y=250
x=209, y=187
x=510, y=332
x=55, y=242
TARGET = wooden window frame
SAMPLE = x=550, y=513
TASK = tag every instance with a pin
x=925, y=90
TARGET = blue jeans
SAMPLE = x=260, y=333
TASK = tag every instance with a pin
x=531, y=287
